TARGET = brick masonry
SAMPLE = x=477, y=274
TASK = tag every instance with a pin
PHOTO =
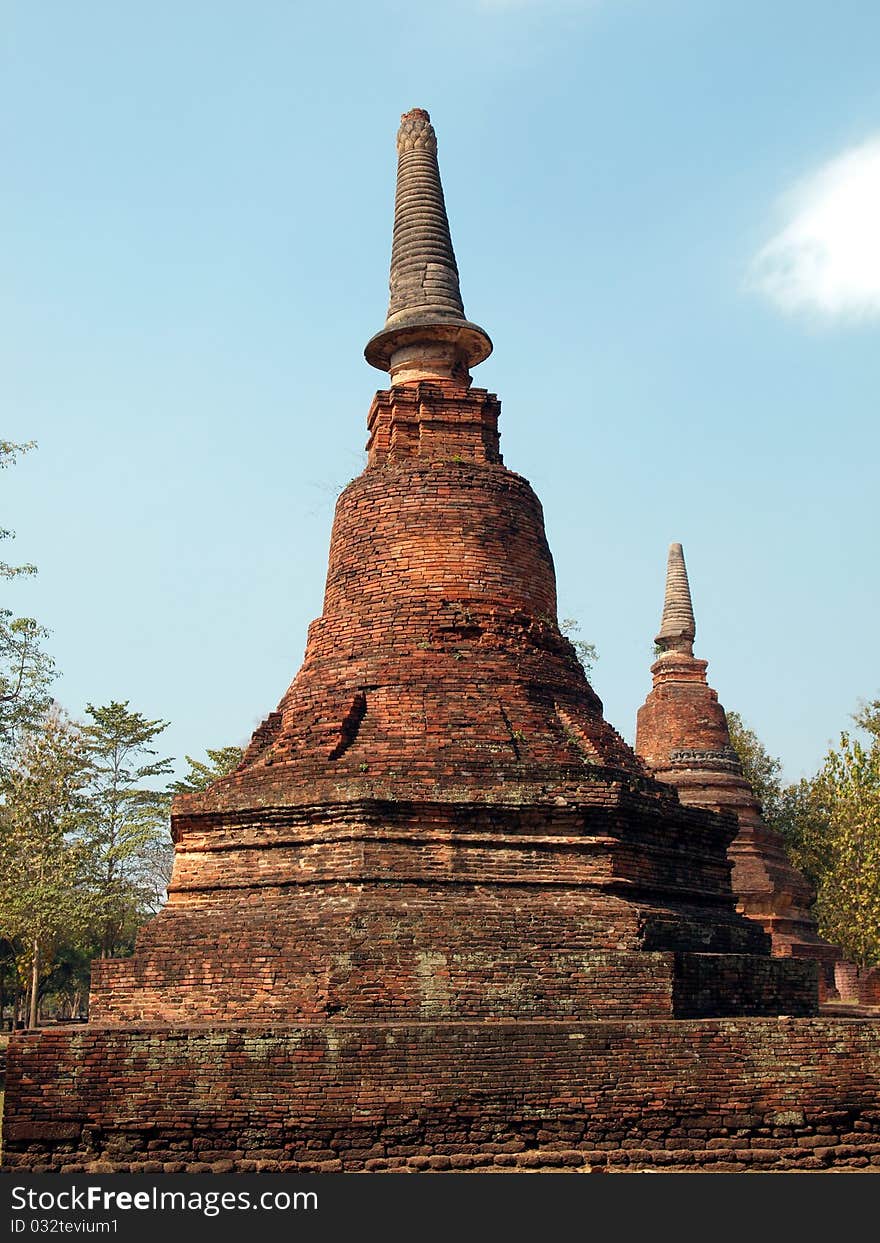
x=442, y=915
x=437, y=821
x=713, y=1094
x=683, y=737
x=438, y=858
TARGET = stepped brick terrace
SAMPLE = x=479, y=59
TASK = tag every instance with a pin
x=442, y=916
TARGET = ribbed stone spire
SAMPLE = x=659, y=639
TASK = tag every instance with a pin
x=677, y=627
x=426, y=333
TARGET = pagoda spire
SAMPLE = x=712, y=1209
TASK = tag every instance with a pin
x=677, y=626
x=426, y=334
x=683, y=736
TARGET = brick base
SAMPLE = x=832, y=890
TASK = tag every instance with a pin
x=710, y=1094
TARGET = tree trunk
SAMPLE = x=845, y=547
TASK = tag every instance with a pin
x=35, y=986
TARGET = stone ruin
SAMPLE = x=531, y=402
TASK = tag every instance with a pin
x=682, y=735
x=442, y=916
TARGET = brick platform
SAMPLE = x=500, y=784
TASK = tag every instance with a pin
x=733, y=1095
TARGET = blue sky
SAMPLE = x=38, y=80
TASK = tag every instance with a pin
x=664, y=214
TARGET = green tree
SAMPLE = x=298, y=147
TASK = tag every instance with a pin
x=200, y=775
x=787, y=808
x=43, y=890
x=804, y=827
x=126, y=825
x=831, y=827
x=761, y=769
x=66, y=988
x=25, y=675
x=9, y=453
x=790, y=809
x=10, y=985
x=25, y=669
x=845, y=800
x=868, y=719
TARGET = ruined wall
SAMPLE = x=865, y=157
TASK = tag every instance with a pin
x=694, y=1095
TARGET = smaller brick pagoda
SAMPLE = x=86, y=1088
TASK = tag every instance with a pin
x=683, y=736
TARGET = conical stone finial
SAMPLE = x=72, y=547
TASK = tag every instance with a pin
x=677, y=627
x=426, y=333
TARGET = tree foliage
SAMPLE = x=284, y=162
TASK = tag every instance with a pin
x=43, y=865
x=9, y=453
x=831, y=827
x=85, y=851
x=762, y=770
x=868, y=719
x=125, y=824
x=200, y=774
x=26, y=673
x=845, y=801
x=25, y=669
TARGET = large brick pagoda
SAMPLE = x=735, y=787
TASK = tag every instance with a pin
x=683, y=737
x=442, y=916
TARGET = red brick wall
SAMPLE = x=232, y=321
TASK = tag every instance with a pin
x=712, y=1094
x=869, y=987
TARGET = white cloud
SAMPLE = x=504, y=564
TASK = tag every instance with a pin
x=827, y=258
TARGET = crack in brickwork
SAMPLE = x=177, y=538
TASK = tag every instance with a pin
x=351, y=723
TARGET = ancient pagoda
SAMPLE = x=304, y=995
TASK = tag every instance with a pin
x=682, y=735
x=442, y=916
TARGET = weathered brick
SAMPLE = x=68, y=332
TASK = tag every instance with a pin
x=442, y=916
